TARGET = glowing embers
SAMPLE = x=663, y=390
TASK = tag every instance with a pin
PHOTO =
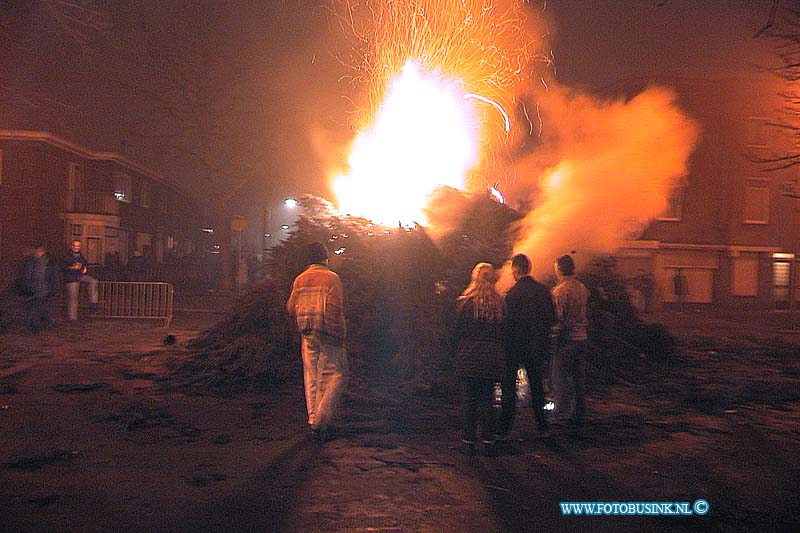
x=424, y=135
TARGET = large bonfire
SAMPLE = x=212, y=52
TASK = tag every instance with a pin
x=458, y=99
x=400, y=287
x=439, y=76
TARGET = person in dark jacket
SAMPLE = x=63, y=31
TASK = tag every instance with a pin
x=75, y=272
x=529, y=317
x=480, y=359
x=38, y=275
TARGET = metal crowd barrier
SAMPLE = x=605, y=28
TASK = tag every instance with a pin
x=135, y=299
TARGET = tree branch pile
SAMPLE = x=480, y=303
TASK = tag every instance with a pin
x=399, y=289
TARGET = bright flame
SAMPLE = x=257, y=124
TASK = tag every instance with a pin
x=439, y=76
x=424, y=136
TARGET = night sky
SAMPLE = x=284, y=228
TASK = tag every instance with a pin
x=133, y=79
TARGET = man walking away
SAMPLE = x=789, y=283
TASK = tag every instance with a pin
x=570, y=339
x=75, y=272
x=529, y=317
x=316, y=307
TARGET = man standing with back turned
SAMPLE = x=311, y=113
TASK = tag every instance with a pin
x=569, y=357
x=529, y=317
x=316, y=307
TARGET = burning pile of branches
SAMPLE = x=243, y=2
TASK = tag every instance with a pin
x=400, y=288
x=398, y=281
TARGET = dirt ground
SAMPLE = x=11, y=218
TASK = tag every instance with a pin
x=93, y=438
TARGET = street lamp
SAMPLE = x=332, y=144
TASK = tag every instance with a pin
x=289, y=203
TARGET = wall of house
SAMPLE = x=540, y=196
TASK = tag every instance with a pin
x=735, y=216
x=31, y=197
x=37, y=207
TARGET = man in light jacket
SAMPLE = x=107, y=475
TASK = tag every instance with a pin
x=569, y=357
x=75, y=272
x=315, y=306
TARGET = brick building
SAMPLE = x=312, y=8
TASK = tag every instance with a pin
x=53, y=191
x=733, y=230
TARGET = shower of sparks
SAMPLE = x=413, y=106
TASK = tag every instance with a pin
x=428, y=67
x=506, y=122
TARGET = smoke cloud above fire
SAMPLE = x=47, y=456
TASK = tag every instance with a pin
x=604, y=170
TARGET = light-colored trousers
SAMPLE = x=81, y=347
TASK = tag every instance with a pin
x=73, y=292
x=325, y=373
x=569, y=379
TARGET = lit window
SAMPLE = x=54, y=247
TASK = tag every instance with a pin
x=780, y=273
x=756, y=201
x=122, y=187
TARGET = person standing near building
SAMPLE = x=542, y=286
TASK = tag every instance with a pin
x=38, y=282
x=316, y=308
x=480, y=355
x=75, y=272
x=113, y=264
x=570, y=297
x=529, y=317
x=680, y=286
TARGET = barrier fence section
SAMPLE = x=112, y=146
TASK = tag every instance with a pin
x=135, y=299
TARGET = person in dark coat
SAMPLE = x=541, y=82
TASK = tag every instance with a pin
x=113, y=264
x=38, y=275
x=529, y=317
x=480, y=359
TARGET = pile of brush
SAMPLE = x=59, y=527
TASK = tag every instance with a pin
x=251, y=348
x=399, y=288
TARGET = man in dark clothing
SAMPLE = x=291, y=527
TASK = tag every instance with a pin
x=680, y=286
x=38, y=284
x=529, y=316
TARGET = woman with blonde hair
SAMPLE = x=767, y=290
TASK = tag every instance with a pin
x=480, y=357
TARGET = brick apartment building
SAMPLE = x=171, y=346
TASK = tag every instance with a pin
x=53, y=191
x=733, y=230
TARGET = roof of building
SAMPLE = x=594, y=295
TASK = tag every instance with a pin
x=54, y=140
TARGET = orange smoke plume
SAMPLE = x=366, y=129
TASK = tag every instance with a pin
x=615, y=165
x=440, y=77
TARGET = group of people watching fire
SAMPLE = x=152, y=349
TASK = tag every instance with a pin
x=492, y=338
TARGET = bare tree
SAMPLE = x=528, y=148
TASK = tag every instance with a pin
x=37, y=34
x=79, y=19
x=783, y=31
x=193, y=99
